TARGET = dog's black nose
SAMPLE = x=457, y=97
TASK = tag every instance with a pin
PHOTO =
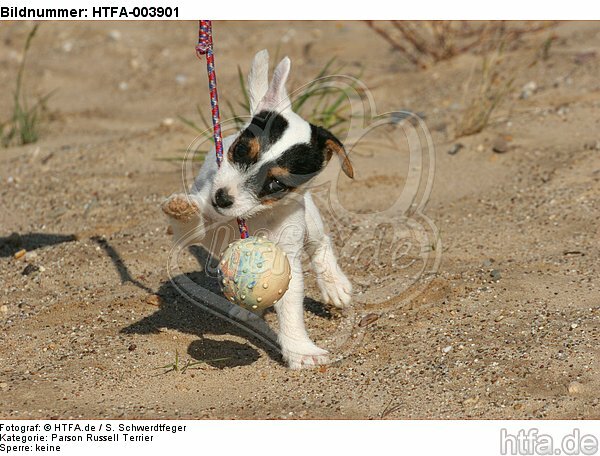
x=222, y=199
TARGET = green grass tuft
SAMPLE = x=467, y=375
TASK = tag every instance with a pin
x=177, y=366
x=23, y=126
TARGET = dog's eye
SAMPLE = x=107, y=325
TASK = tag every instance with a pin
x=275, y=186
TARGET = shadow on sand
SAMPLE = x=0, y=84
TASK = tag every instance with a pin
x=9, y=245
x=176, y=312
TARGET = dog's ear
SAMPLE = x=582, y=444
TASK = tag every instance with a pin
x=329, y=145
x=276, y=99
x=258, y=79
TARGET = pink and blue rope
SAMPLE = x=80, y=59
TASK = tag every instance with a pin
x=205, y=47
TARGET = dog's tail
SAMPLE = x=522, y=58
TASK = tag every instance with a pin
x=258, y=79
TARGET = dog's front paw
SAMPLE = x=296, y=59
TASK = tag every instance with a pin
x=304, y=356
x=180, y=207
x=335, y=288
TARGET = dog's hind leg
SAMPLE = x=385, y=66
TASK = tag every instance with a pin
x=333, y=283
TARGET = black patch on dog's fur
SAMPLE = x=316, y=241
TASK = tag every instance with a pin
x=320, y=136
x=265, y=129
x=329, y=144
x=293, y=168
x=300, y=162
x=270, y=127
x=303, y=161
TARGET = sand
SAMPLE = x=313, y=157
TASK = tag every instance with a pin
x=492, y=311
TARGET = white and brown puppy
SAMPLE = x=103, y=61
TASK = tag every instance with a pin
x=262, y=178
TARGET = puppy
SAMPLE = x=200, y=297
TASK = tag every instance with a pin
x=263, y=178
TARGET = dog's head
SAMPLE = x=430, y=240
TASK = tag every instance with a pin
x=276, y=154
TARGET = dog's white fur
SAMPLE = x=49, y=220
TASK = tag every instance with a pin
x=294, y=223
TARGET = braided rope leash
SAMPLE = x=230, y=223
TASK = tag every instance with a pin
x=205, y=47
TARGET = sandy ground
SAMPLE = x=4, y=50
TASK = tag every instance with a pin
x=506, y=326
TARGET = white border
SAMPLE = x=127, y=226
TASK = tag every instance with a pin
x=373, y=9
x=264, y=438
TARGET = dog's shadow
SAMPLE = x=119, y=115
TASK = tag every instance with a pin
x=176, y=312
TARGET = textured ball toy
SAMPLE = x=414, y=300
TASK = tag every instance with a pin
x=254, y=273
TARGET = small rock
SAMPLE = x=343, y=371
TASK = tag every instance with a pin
x=471, y=401
x=447, y=349
x=528, y=89
x=3, y=385
x=30, y=256
x=495, y=274
x=29, y=269
x=4, y=308
x=181, y=79
x=455, y=148
x=21, y=253
x=574, y=388
x=562, y=111
x=167, y=122
x=499, y=318
x=574, y=326
x=123, y=86
x=500, y=145
x=114, y=35
x=132, y=347
x=67, y=46
x=153, y=300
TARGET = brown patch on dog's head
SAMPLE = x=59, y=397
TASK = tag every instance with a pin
x=278, y=172
x=244, y=151
x=269, y=201
x=254, y=148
